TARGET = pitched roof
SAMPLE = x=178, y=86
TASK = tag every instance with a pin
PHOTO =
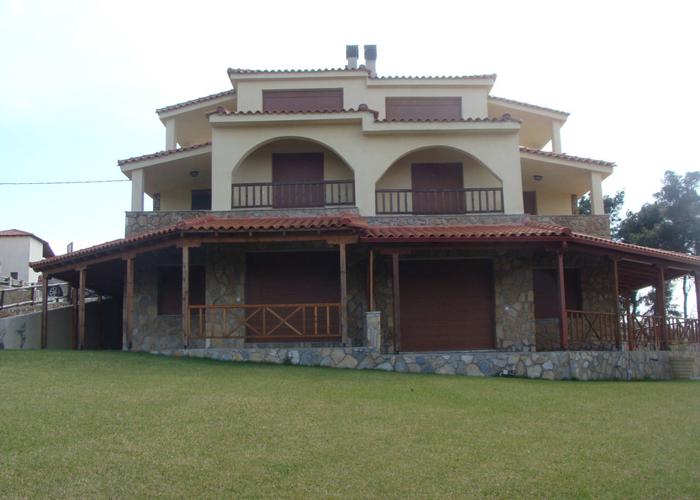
x=46, y=248
x=462, y=232
x=245, y=71
x=354, y=224
x=527, y=105
x=562, y=156
x=159, y=154
x=210, y=224
x=221, y=111
x=498, y=119
x=198, y=100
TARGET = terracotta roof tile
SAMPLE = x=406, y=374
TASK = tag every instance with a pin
x=501, y=119
x=636, y=249
x=209, y=224
x=159, y=154
x=244, y=71
x=562, y=156
x=491, y=76
x=462, y=232
x=221, y=111
x=528, y=105
x=198, y=100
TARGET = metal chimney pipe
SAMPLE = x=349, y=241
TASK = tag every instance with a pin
x=352, y=53
x=371, y=59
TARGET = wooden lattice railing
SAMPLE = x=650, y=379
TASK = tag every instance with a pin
x=265, y=322
x=597, y=330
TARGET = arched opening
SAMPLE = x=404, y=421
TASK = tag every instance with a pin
x=438, y=180
x=292, y=173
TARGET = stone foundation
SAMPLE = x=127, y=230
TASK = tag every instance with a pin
x=559, y=365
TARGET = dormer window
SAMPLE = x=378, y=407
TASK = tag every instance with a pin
x=303, y=100
x=423, y=108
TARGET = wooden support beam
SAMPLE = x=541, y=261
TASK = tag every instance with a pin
x=81, y=309
x=44, y=310
x=100, y=330
x=696, y=275
x=563, y=317
x=370, y=280
x=129, y=302
x=616, y=296
x=343, y=293
x=74, y=318
x=185, y=296
x=397, y=301
x=660, y=303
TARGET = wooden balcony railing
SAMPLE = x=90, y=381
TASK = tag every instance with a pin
x=439, y=201
x=597, y=330
x=291, y=195
x=265, y=322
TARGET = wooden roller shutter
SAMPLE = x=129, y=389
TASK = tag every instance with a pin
x=446, y=305
x=303, y=100
x=423, y=108
x=438, y=188
x=297, y=180
x=293, y=278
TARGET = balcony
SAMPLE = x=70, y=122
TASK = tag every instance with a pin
x=440, y=201
x=293, y=195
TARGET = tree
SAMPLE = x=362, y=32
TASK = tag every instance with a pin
x=612, y=205
x=670, y=222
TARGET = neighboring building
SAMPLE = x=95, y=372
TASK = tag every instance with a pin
x=17, y=250
x=290, y=205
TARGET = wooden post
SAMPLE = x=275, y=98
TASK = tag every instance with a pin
x=343, y=294
x=616, y=296
x=99, y=322
x=563, y=318
x=44, y=310
x=186, y=296
x=660, y=305
x=81, y=309
x=129, y=301
x=397, y=301
x=696, y=275
x=370, y=279
x=74, y=318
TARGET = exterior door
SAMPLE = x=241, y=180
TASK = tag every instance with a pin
x=297, y=180
x=438, y=188
x=446, y=305
x=530, y=202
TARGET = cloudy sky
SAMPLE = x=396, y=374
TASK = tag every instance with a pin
x=79, y=81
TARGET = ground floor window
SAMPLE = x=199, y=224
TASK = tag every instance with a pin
x=547, y=292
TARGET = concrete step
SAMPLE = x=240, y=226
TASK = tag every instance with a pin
x=682, y=368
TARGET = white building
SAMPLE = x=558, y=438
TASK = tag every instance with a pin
x=19, y=248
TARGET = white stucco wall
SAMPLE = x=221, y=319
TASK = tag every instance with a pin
x=369, y=155
x=15, y=254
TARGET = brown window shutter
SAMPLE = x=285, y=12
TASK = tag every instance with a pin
x=423, y=108
x=303, y=100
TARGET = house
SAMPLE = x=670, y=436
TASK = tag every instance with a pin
x=17, y=249
x=343, y=209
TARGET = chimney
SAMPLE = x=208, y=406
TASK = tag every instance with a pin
x=352, y=53
x=371, y=59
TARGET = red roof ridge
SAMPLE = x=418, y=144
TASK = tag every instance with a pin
x=564, y=156
x=244, y=71
x=222, y=111
x=503, y=118
x=489, y=76
x=166, y=152
x=528, y=105
x=196, y=100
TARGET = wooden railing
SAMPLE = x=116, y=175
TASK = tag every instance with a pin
x=290, y=195
x=593, y=330
x=439, y=201
x=597, y=330
x=265, y=322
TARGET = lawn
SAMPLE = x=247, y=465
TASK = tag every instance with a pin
x=112, y=424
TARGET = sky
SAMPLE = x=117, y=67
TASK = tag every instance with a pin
x=80, y=82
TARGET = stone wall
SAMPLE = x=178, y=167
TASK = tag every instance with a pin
x=225, y=284
x=597, y=225
x=513, y=296
x=140, y=222
x=560, y=365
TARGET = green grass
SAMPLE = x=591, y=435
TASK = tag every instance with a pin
x=99, y=424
